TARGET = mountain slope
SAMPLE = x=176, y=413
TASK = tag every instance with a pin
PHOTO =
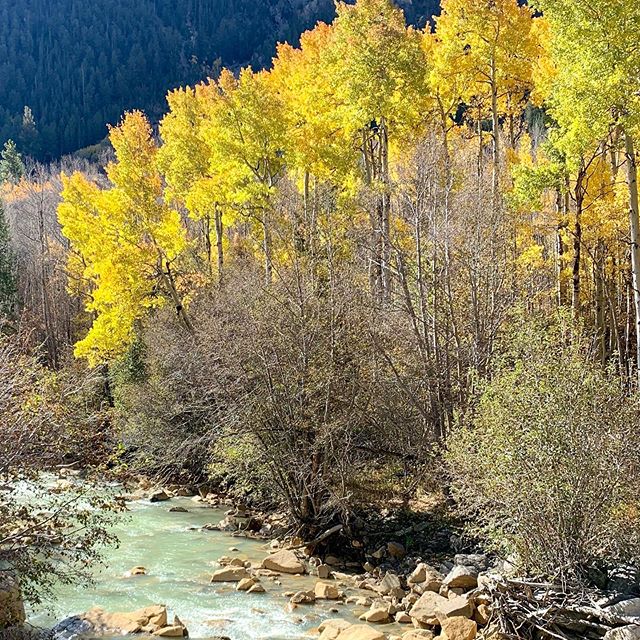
x=78, y=65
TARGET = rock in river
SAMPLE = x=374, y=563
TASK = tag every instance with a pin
x=283, y=561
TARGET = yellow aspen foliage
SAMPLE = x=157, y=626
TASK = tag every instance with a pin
x=315, y=139
x=378, y=67
x=126, y=239
x=486, y=53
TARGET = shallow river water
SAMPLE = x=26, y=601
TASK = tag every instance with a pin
x=180, y=557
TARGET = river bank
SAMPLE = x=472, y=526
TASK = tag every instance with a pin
x=179, y=570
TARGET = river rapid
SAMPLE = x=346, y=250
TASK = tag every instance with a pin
x=179, y=557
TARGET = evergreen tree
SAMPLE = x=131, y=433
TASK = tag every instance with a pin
x=11, y=164
x=29, y=135
x=8, y=288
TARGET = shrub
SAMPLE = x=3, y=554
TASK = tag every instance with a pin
x=47, y=537
x=546, y=466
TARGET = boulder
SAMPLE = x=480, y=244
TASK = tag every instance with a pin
x=230, y=574
x=245, y=584
x=396, y=550
x=390, y=584
x=171, y=632
x=402, y=617
x=303, y=597
x=629, y=607
x=158, y=496
x=136, y=571
x=628, y=632
x=361, y=632
x=324, y=571
x=326, y=591
x=418, y=634
x=427, y=577
x=11, y=604
x=432, y=607
x=148, y=619
x=458, y=628
x=376, y=614
x=256, y=588
x=178, y=510
x=283, y=561
x=462, y=577
x=331, y=629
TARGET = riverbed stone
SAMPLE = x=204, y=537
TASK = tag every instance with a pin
x=303, y=597
x=482, y=614
x=11, y=604
x=324, y=571
x=432, y=607
x=326, y=591
x=462, y=577
x=418, y=634
x=159, y=495
x=629, y=607
x=149, y=618
x=376, y=614
x=256, y=588
x=390, y=584
x=458, y=628
x=361, y=632
x=230, y=574
x=284, y=561
x=628, y=632
x=331, y=629
x=171, y=632
x=245, y=584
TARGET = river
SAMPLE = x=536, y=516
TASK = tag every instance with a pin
x=179, y=557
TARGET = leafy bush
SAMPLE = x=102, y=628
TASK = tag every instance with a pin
x=46, y=419
x=546, y=466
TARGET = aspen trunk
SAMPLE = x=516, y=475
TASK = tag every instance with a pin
x=385, y=230
x=577, y=242
x=495, y=125
x=164, y=267
x=634, y=224
x=219, y=248
x=267, y=248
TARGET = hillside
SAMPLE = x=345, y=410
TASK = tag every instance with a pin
x=79, y=65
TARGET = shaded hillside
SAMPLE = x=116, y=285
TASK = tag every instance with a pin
x=78, y=65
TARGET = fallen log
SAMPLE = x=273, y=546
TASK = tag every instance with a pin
x=319, y=539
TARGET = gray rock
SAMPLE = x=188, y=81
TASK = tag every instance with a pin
x=477, y=560
x=11, y=604
x=71, y=628
x=388, y=584
x=629, y=632
x=462, y=577
x=625, y=608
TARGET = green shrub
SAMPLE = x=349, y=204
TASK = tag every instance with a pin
x=546, y=466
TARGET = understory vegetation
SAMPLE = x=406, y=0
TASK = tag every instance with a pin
x=399, y=262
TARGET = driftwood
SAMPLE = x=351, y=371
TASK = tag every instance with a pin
x=540, y=610
x=319, y=539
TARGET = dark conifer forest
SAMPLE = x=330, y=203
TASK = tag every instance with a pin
x=79, y=65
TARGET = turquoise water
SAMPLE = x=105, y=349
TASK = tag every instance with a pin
x=180, y=557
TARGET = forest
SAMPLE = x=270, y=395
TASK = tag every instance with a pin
x=378, y=299
x=69, y=68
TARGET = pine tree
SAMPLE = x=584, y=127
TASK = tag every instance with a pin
x=8, y=288
x=11, y=165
